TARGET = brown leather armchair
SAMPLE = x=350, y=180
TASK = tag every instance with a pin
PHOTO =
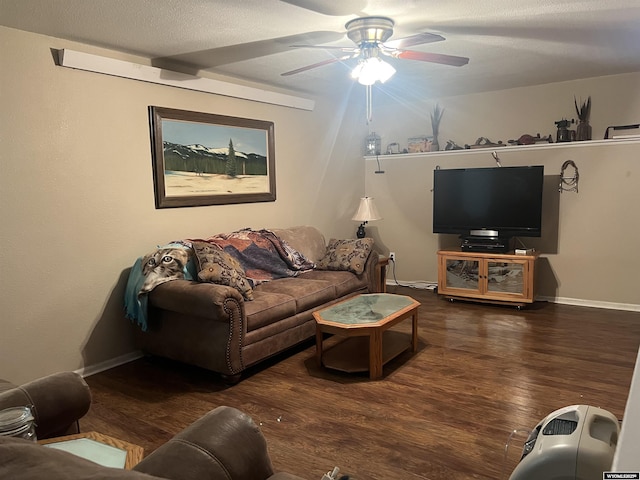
x=224, y=444
x=58, y=401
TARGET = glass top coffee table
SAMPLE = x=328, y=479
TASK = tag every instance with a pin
x=99, y=448
x=362, y=316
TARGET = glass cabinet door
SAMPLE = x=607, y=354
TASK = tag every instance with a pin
x=462, y=274
x=505, y=277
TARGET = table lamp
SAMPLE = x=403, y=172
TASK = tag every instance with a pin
x=367, y=212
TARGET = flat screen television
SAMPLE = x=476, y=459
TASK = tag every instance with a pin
x=501, y=202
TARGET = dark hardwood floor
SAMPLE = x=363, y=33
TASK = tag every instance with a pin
x=445, y=412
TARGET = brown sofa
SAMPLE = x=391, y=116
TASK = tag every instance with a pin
x=57, y=402
x=225, y=444
x=212, y=326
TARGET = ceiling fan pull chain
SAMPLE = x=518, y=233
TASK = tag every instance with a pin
x=369, y=103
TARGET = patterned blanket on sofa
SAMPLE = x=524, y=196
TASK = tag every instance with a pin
x=263, y=255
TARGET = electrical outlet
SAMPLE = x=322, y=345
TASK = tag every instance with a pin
x=392, y=256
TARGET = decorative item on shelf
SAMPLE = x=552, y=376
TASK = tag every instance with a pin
x=372, y=144
x=484, y=142
x=436, y=116
x=583, y=130
x=451, y=145
x=419, y=144
x=630, y=131
x=569, y=183
x=367, y=212
x=393, y=148
x=527, y=139
x=564, y=134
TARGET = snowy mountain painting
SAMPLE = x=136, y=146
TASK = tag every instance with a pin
x=213, y=163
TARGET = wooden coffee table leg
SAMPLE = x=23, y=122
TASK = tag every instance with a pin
x=318, y=346
x=414, y=331
x=375, y=354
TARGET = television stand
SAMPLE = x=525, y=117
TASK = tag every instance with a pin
x=502, y=278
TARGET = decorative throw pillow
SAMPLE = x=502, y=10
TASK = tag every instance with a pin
x=348, y=255
x=217, y=266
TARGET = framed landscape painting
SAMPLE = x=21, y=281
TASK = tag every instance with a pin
x=207, y=159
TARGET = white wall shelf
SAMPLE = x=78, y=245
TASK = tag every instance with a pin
x=512, y=148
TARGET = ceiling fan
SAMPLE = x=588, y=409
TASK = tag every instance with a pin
x=371, y=35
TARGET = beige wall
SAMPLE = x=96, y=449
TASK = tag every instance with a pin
x=590, y=238
x=77, y=205
x=77, y=208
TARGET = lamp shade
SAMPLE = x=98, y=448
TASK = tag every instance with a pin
x=367, y=211
x=372, y=69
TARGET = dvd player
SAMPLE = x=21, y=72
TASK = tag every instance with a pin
x=485, y=244
x=484, y=247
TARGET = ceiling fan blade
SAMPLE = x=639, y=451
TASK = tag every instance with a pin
x=316, y=65
x=327, y=47
x=344, y=7
x=215, y=57
x=410, y=41
x=430, y=57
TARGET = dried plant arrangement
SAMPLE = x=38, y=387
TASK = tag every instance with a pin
x=583, y=130
x=584, y=111
x=436, y=116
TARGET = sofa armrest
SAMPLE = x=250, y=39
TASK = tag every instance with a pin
x=224, y=443
x=371, y=272
x=59, y=400
x=201, y=299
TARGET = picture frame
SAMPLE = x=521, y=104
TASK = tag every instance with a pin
x=204, y=159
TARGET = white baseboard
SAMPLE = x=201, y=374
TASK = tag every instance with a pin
x=591, y=303
x=560, y=300
x=89, y=370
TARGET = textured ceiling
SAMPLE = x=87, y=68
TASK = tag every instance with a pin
x=510, y=43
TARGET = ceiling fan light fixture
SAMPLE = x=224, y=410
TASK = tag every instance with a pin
x=369, y=29
x=371, y=70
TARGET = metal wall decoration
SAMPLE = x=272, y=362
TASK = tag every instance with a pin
x=569, y=183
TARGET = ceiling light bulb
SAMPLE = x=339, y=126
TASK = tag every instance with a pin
x=355, y=73
x=372, y=69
